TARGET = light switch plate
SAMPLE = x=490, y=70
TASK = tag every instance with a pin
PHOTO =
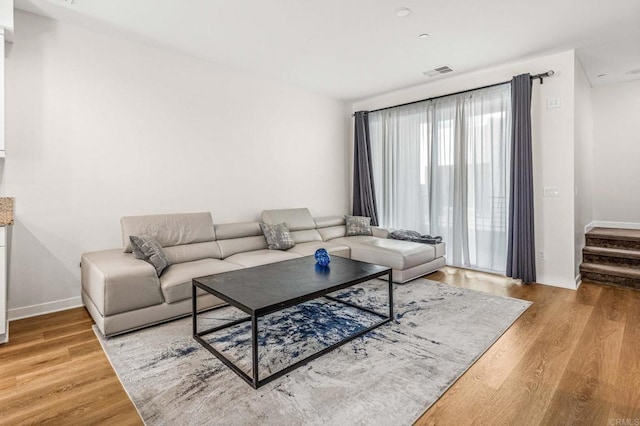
x=553, y=103
x=551, y=191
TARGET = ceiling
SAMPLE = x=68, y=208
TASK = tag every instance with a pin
x=352, y=49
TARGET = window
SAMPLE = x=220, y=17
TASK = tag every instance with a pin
x=441, y=167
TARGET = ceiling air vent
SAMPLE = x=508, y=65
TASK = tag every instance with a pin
x=438, y=71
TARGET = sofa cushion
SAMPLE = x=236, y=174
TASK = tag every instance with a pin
x=241, y=245
x=358, y=225
x=331, y=227
x=350, y=241
x=308, y=249
x=193, y=251
x=228, y=231
x=305, y=236
x=380, y=232
x=169, y=229
x=239, y=237
x=261, y=257
x=149, y=249
x=296, y=219
x=278, y=237
x=327, y=221
x=332, y=232
x=391, y=253
x=176, y=281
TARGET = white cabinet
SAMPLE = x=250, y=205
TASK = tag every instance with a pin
x=4, y=323
x=2, y=40
x=6, y=34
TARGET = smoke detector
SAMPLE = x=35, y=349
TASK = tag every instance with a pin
x=438, y=71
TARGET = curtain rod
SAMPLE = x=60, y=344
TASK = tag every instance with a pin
x=533, y=77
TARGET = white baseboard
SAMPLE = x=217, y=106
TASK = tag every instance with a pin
x=578, y=281
x=568, y=285
x=607, y=224
x=4, y=338
x=44, y=308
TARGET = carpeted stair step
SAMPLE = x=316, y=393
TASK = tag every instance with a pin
x=611, y=256
x=628, y=239
x=619, y=275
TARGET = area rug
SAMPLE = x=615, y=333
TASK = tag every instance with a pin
x=389, y=376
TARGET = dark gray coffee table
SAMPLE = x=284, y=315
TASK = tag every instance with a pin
x=265, y=289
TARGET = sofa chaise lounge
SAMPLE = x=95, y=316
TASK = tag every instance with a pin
x=123, y=293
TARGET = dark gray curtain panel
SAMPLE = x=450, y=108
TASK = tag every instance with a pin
x=521, y=252
x=364, y=197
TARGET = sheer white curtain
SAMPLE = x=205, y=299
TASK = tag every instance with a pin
x=441, y=167
x=399, y=169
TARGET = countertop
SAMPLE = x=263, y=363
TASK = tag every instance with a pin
x=6, y=211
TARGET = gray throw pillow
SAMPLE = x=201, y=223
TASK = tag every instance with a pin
x=278, y=237
x=358, y=225
x=149, y=249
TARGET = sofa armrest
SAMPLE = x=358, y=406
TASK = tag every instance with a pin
x=118, y=282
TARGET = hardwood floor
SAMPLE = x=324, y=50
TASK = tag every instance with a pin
x=572, y=358
x=53, y=371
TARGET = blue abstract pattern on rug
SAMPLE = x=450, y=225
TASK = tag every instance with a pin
x=288, y=336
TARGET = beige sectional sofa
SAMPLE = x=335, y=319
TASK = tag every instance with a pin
x=123, y=293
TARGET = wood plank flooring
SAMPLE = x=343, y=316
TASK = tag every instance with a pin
x=572, y=358
x=53, y=371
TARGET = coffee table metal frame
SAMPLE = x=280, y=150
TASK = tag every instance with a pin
x=254, y=315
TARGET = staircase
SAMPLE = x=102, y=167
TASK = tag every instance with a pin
x=612, y=256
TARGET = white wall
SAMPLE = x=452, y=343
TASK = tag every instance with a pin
x=100, y=127
x=583, y=155
x=616, y=123
x=553, y=140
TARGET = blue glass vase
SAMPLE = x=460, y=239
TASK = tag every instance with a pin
x=322, y=257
